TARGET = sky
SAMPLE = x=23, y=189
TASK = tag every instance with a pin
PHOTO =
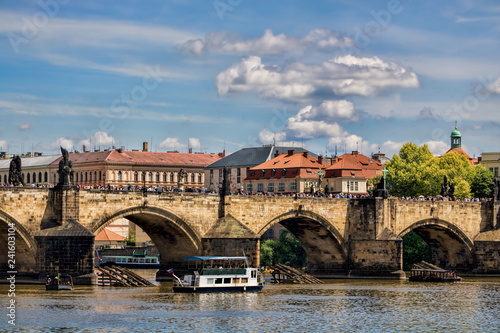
x=214, y=75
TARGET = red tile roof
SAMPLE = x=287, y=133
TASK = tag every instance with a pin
x=354, y=164
x=462, y=152
x=295, y=165
x=143, y=158
x=108, y=236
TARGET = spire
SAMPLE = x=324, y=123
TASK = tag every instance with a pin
x=456, y=138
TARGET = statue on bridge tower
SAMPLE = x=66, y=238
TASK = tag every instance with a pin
x=65, y=169
x=15, y=174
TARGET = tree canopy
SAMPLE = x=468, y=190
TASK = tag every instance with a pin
x=416, y=171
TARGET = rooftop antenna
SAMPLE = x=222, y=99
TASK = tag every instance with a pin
x=274, y=139
x=335, y=150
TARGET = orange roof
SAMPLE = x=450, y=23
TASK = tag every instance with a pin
x=354, y=164
x=108, y=236
x=462, y=152
x=143, y=157
x=295, y=165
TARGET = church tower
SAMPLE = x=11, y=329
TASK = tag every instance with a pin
x=456, y=138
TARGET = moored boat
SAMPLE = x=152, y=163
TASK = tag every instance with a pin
x=59, y=282
x=219, y=274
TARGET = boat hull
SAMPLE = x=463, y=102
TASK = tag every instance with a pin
x=58, y=287
x=193, y=289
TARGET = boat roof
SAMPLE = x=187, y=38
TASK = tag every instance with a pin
x=216, y=258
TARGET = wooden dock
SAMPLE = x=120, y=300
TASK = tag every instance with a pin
x=114, y=275
x=282, y=273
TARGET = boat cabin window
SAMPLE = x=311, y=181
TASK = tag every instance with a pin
x=244, y=280
x=227, y=280
x=254, y=274
x=236, y=280
x=218, y=281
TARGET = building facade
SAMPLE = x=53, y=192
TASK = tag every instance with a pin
x=491, y=161
x=239, y=163
x=120, y=169
x=289, y=173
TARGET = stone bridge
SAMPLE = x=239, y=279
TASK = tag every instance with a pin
x=55, y=229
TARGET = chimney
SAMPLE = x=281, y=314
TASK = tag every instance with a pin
x=304, y=154
x=355, y=153
x=84, y=150
x=320, y=159
x=144, y=146
x=277, y=153
x=190, y=150
x=290, y=152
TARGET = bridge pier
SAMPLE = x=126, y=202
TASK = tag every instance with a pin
x=64, y=245
x=373, y=250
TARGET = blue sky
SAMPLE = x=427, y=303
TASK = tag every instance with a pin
x=227, y=74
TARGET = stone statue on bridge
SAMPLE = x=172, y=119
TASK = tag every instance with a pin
x=181, y=178
x=15, y=174
x=65, y=169
x=494, y=189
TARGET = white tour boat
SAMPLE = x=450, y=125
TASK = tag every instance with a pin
x=219, y=274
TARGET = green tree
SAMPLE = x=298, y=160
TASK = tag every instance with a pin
x=286, y=250
x=415, y=249
x=413, y=172
x=481, y=180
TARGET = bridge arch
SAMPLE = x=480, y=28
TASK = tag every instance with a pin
x=450, y=247
x=173, y=237
x=25, y=245
x=325, y=247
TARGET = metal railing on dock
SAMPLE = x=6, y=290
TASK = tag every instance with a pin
x=114, y=275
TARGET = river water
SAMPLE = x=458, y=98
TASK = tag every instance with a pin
x=472, y=305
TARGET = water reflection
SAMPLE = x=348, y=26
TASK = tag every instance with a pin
x=337, y=306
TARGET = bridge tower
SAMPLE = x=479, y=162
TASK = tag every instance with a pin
x=64, y=245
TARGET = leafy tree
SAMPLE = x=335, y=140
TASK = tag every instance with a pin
x=415, y=249
x=412, y=172
x=286, y=250
x=415, y=171
x=481, y=180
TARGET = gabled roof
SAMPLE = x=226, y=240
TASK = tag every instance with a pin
x=250, y=157
x=143, y=158
x=108, y=236
x=354, y=165
x=301, y=165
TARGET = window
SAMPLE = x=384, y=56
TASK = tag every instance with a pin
x=28, y=179
x=227, y=280
x=34, y=177
x=150, y=177
x=281, y=187
x=293, y=186
x=192, y=178
x=164, y=177
x=90, y=176
x=46, y=176
x=119, y=175
x=270, y=233
x=171, y=176
x=249, y=188
x=157, y=176
x=39, y=177
x=100, y=175
x=260, y=187
x=136, y=176
x=270, y=187
x=200, y=178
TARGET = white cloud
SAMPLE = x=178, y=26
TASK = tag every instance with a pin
x=495, y=86
x=62, y=142
x=172, y=144
x=195, y=143
x=99, y=139
x=4, y=146
x=268, y=43
x=24, y=126
x=268, y=137
x=438, y=148
x=299, y=81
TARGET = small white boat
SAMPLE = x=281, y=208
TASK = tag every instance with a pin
x=219, y=274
